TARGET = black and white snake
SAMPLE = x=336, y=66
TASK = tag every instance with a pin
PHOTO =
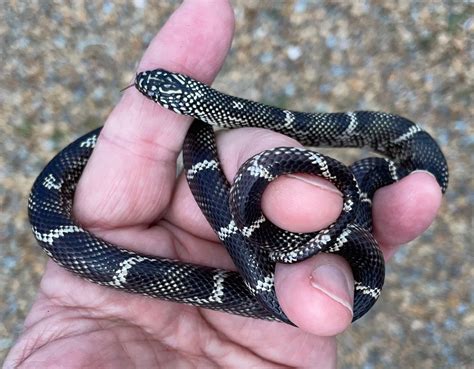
x=234, y=213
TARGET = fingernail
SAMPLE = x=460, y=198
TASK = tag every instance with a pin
x=315, y=181
x=332, y=281
x=423, y=171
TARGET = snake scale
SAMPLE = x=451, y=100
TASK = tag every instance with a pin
x=234, y=211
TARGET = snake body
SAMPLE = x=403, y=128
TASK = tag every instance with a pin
x=234, y=211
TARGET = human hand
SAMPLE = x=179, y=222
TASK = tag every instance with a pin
x=129, y=195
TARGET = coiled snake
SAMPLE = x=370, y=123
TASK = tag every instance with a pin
x=254, y=243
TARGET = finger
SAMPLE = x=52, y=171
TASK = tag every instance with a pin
x=404, y=210
x=130, y=176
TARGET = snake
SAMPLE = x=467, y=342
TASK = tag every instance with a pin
x=234, y=209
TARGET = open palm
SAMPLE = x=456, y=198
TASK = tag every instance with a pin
x=129, y=195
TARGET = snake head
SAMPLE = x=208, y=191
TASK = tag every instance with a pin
x=168, y=89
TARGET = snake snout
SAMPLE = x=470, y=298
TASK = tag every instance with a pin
x=162, y=86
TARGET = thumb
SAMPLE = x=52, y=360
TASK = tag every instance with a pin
x=317, y=294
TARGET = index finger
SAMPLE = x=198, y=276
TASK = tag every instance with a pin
x=130, y=176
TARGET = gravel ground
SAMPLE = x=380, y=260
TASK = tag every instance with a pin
x=63, y=67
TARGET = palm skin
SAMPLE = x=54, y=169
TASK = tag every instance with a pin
x=129, y=195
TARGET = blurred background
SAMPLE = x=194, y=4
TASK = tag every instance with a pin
x=63, y=66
